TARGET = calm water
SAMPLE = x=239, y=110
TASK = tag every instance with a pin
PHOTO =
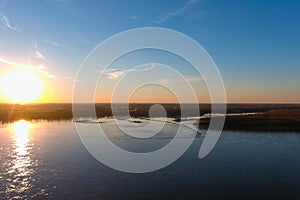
x=47, y=160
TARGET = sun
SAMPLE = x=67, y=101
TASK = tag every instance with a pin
x=21, y=85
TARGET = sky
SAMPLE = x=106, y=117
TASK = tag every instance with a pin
x=255, y=45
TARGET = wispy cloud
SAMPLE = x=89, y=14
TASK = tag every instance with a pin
x=53, y=43
x=5, y=22
x=178, y=12
x=39, y=68
x=38, y=54
x=164, y=81
x=178, y=80
x=5, y=61
x=114, y=74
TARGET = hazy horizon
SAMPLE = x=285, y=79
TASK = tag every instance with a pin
x=247, y=103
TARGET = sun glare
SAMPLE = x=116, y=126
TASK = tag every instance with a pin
x=21, y=85
x=21, y=129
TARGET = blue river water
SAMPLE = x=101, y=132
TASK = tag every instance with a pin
x=46, y=160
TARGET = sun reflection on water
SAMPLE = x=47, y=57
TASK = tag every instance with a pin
x=21, y=130
x=20, y=169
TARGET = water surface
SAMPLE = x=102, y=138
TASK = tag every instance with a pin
x=47, y=160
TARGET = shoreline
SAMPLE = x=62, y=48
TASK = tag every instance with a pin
x=282, y=120
x=239, y=117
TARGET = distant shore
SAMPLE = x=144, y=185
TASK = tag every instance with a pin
x=266, y=117
x=275, y=120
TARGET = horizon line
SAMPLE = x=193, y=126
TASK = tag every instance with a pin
x=32, y=103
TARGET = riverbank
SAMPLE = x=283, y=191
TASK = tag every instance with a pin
x=275, y=120
x=266, y=117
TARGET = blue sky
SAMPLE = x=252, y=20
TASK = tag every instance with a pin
x=255, y=44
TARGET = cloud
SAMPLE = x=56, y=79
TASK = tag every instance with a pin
x=53, y=43
x=164, y=81
x=39, y=68
x=114, y=74
x=133, y=17
x=3, y=60
x=178, y=12
x=40, y=55
x=178, y=80
x=68, y=78
x=5, y=22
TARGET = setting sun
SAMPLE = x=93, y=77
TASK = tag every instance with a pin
x=21, y=85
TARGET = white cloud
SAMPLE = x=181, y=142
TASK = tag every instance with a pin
x=5, y=22
x=39, y=55
x=175, y=13
x=40, y=68
x=164, y=81
x=178, y=80
x=53, y=43
x=5, y=61
x=114, y=74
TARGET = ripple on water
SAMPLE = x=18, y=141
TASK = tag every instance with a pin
x=19, y=164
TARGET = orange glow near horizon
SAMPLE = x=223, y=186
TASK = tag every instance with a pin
x=21, y=85
x=153, y=94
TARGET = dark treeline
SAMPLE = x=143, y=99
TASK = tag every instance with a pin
x=61, y=111
x=270, y=117
x=275, y=120
x=13, y=112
